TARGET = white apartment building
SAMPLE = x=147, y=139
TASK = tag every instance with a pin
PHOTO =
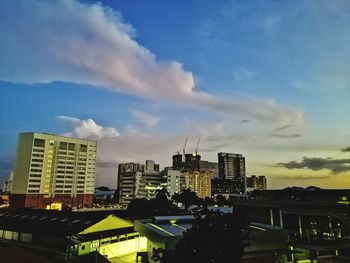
x=53, y=170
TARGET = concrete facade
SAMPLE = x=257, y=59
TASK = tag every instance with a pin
x=53, y=169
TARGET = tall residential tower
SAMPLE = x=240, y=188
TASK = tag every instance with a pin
x=53, y=170
x=231, y=167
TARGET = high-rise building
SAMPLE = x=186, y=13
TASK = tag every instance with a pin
x=200, y=182
x=257, y=182
x=138, y=181
x=209, y=166
x=176, y=181
x=190, y=164
x=7, y=185
x=126, y=180
x=151, y=166
x=147, y=184
x=53, y=171
x=231, y=166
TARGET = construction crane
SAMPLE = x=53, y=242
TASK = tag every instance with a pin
x=184, y=149
x=196, y=151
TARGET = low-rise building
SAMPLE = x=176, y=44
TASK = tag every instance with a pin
x=315, y=227
x=68, y=235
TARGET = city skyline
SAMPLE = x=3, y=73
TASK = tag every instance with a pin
x=265, y=79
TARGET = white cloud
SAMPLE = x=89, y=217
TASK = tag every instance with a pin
x=90, y=44
x=243, y=74
x=87, y=128
x=145, y=118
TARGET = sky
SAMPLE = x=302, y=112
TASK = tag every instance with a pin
x=267, y=79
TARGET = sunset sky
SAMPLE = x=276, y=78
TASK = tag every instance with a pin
x=267, y=79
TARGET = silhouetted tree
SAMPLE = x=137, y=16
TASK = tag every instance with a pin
x=215, y=238
x=221, y=200
x=161, y=204
x=162, y=194
x=208, y=201
x=115, y=196
x=186, y=197
x=141, y=208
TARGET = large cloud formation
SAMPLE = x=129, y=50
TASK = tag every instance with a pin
x=316, y=164
x=87, y=129
x=65, y=40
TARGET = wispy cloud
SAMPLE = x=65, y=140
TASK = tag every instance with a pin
x=244, y=121
x=285, y=136
x=145, y=118
x=244, y=74
x=87, y=128
x=334, y=165
x=90, y=44
x=305, y=177
x=284, y=127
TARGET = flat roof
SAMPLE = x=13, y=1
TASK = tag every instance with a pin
x=60, y=223
x=57, y=135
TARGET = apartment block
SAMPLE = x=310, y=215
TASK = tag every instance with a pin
x=138, y=181
x=257, y=182
x=176, y=181
x=53, y=171
x=200, y=182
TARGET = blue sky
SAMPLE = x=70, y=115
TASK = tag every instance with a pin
x=269, y=79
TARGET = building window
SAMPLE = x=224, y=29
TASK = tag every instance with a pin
x=39, y=142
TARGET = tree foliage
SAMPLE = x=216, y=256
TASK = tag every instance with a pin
x=159, y=205
x=213, y=238
x=186, y=197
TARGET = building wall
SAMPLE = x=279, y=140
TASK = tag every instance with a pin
x=190, y=163
x=209, y=166
x=126, y=186
x=231, y=165
x=113, y=246
x=200, y=182
x=148, y=184
x=138, y=181
x=257, y=182
x=53, y=167
x=176, y=181
x=22, y=164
